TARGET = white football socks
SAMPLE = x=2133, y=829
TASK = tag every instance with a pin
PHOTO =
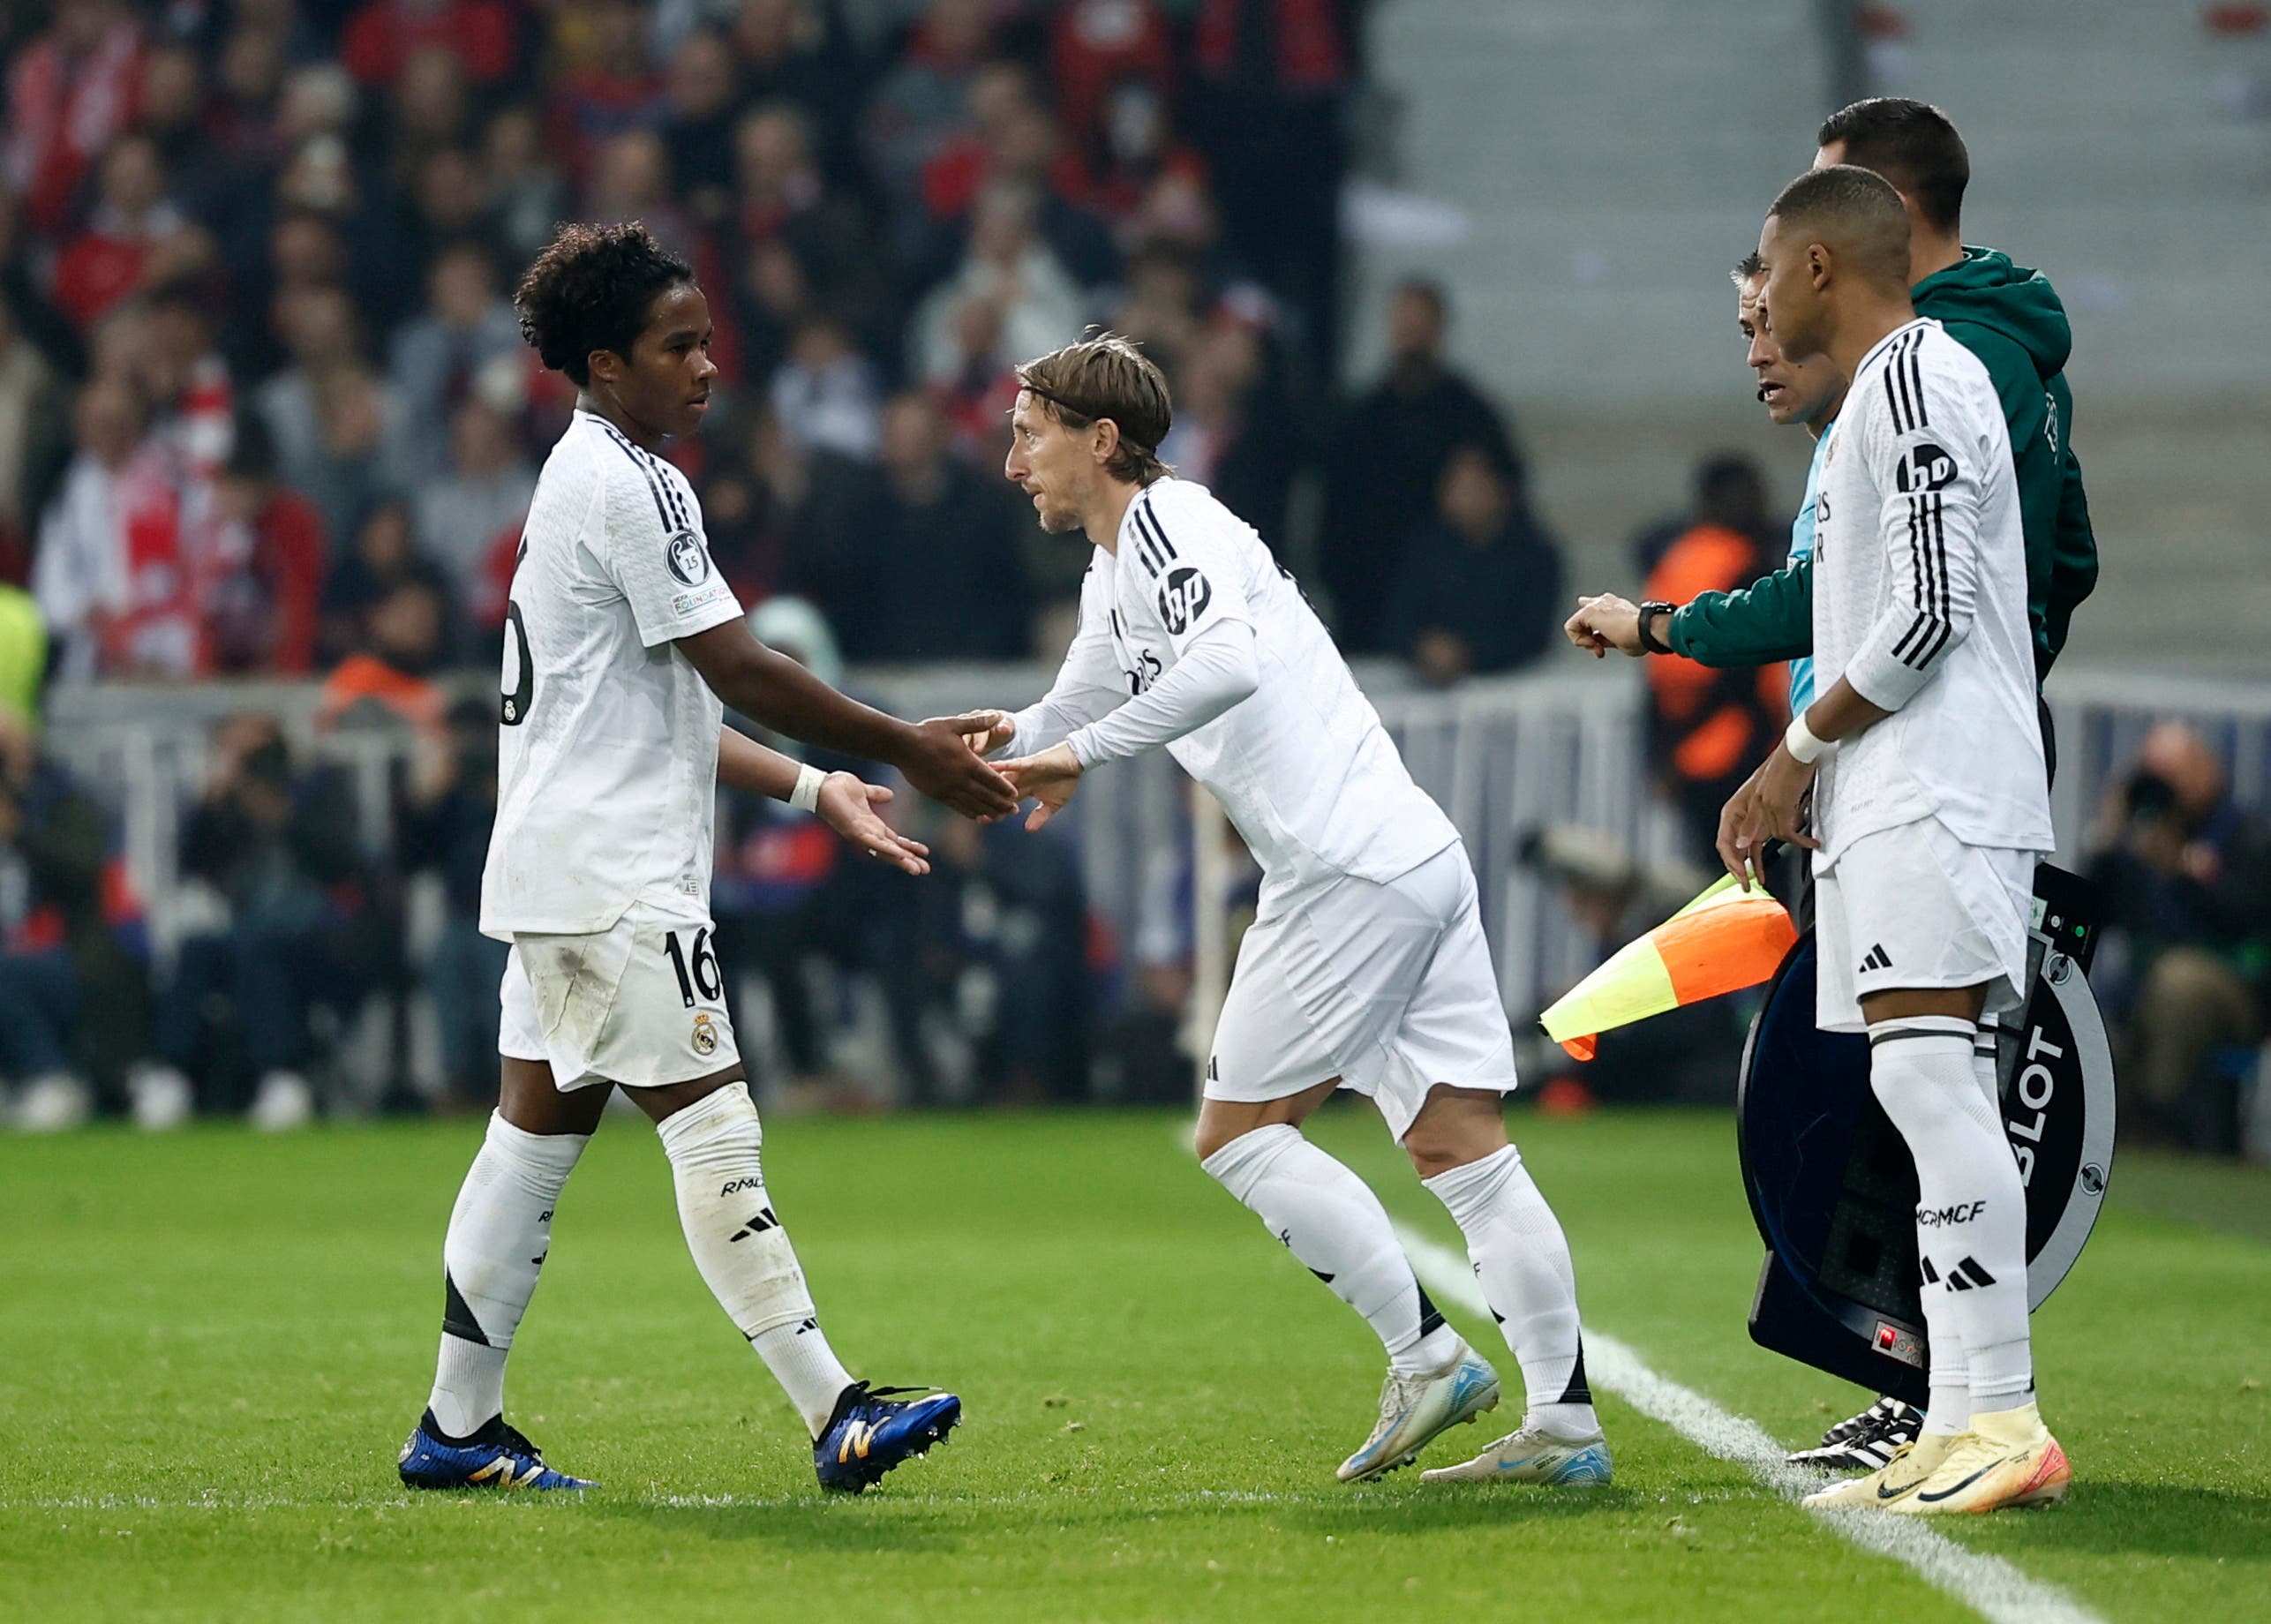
x=1948, y=1408
x=1522, y=1261
x=800, y=1359
x=1971, y=1212
x=1329, y=1219
x=498, y=1233
x=1983, y=1068
x=741, y=1250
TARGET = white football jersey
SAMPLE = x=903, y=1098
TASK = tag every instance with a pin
x=607, y=759
x=1302, y=766
x=1919, y=599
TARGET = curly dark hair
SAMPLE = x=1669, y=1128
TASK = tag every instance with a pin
x=591, y=288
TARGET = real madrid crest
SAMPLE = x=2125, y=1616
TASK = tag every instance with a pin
x=705, y=1034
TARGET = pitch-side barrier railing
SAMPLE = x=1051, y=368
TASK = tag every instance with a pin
x=1503, y=756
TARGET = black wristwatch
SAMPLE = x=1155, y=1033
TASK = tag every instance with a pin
x=1649, y=611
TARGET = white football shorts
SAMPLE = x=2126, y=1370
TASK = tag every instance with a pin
x=642, y=1004
x=1914, y=906
x=1388, y=987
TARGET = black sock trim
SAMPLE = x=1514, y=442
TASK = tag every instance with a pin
x=1900, y=1035
x=491, y=1431
x=1579, y=1391
x=1431, y=1318
x=851, y=1395
x=456, y=1318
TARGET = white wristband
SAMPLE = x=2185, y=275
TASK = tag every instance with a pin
x=806, y=796
x=1799, y=740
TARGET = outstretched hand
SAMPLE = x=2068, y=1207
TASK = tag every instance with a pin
x=940, y=764
x=849, y=805
x=985, y=731
x=1603, y=623
x=1050, y=778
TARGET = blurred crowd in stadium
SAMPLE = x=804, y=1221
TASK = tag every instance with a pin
x=256, y=259
x=265, y=410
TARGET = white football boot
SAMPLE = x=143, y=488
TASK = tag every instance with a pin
x=1413, y=1409
x=1531, y=1454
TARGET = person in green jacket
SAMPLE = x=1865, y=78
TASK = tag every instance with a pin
x=2007, y=315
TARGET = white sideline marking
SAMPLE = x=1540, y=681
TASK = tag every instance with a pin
x=1987, y=1585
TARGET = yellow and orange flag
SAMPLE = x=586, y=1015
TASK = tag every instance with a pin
x=1724, y=940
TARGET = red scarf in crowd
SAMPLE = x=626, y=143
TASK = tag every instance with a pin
x=62, y=113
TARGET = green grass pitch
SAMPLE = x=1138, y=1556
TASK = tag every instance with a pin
x=210, y=1347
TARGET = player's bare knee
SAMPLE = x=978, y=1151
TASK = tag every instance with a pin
x=1205, y=1139
x=660, y=1104
x=529, y=1100
x=1223, y=1121
x=1217, y=1130
x=1439, y=1154
x=1903, y=1004
x=1454, y=1127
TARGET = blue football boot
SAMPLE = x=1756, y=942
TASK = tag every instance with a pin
x=871, y=1430
x=496, y=1458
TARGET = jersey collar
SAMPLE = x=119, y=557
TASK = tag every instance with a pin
x=1128, y=520
x=1878, y=347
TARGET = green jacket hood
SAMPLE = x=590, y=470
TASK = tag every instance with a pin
x=1986, y=290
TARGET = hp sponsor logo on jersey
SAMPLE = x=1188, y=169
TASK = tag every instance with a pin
x=688, y=559
x=1925, y=468
x=1182, y=597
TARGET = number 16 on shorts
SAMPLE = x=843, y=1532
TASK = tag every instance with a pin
x=698, y=970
